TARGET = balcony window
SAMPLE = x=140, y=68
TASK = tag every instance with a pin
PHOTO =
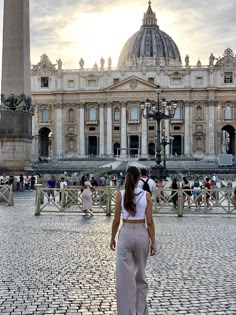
x=117, y=114
x=177, y=113
x=134, y=113
x=45, y=115
x=92, y=114
x=228, y=113
x=44, y=82
x=228, y=78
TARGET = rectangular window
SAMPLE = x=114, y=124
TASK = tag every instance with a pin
x=228, y=78
x=134, y=113
x=116, y=128
x=44, y=82
x=176, y=81
x=92, y=128
x=177, y=113
x=116, y=81
x=45, y=115
x=151, y=128
x=151, y=80
x=71, y=83
x=92, y=83
x=176, y=127
x=199, y=80
x=117, y=115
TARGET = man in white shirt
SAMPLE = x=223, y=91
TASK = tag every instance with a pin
x=145, y=178
x=63, y=184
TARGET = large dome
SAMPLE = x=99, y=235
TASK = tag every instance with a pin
x=150, y=45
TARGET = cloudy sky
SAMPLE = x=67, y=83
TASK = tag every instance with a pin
x=71, y=29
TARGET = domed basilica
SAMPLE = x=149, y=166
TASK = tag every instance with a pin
x=97, y=111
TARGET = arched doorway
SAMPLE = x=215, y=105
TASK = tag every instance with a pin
x=134, y=146
x=116, y=149
x=228, y=140
x=177, y=145
x=45, y=142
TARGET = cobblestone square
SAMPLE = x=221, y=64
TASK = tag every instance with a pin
x=61, y=264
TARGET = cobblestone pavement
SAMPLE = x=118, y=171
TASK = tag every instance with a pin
x=55, y=264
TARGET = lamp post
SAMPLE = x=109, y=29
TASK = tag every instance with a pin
x=158, y=110
x=165, y=141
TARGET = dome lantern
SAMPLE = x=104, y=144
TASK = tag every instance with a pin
x=149, y=17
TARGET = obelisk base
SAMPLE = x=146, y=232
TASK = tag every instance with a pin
x=15, y=141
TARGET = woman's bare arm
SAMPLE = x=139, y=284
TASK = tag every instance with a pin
x=116, y=221
x=150, y=225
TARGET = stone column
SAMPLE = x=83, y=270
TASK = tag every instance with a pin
x=123, y=153
x=59, y=135
x=35, y=143
x=109, y=130
x=101, y=130
x=144, y=137
x=187, y=130
x=82, y=131
x=210, y=137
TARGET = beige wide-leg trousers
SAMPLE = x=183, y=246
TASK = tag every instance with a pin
x=132, y=254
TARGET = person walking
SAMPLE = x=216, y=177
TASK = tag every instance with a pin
x=233, y=199
x=87, y=200
x=51, y=184
x=145, y=180
x=32, y=183
x=174, y=192
x=21, y=182
x=208, y=194
x=135, y=205
x=197, y=192
x=187, y=191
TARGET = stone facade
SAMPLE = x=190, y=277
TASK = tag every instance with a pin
x=97, y=111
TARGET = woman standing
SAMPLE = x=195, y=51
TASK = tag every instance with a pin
x=87, y=200
x=133, y=245
x=187, y=191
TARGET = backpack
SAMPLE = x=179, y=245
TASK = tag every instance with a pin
x=146, y=186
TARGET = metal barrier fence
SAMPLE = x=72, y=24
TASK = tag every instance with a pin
x=6, y=195
x=68, y=200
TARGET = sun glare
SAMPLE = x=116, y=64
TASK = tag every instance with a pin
x=101, y=35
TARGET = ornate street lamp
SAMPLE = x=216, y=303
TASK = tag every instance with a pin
x=164, y=142
x=158, y=111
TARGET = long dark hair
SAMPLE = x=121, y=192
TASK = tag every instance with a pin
x=174, y=184
x=132, y=177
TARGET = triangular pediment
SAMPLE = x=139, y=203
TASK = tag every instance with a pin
x=131, y=84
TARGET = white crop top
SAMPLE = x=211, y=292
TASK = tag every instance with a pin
x=141, y=205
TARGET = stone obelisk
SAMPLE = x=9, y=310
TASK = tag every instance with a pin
x=16, y=109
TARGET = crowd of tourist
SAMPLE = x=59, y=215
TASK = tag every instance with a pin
x=192, y=188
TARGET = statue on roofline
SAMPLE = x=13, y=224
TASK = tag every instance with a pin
x=187, y=60
x=81, y=63
x=211, y=59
